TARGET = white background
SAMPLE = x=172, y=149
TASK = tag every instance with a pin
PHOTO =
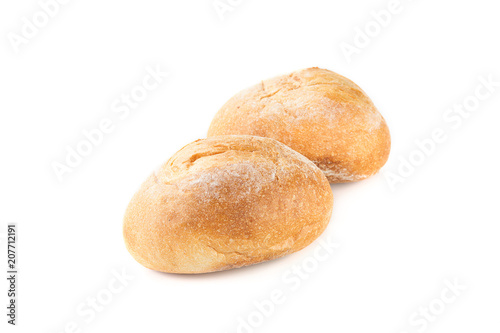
x=397, y=248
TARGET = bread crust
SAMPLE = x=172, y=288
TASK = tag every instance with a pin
x=226, y=202
x=321, y=114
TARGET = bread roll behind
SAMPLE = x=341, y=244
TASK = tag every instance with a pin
x=322, y=115
x=226, y=202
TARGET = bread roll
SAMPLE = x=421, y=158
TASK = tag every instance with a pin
x=322, y=115
x=226, y=202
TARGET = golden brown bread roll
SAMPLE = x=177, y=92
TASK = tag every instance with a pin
x=226, y=202
x=322, y=115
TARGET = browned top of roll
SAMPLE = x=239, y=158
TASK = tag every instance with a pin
x=226, y=202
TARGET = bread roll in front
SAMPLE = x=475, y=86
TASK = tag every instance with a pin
x=226, y=202
x=321, y=114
